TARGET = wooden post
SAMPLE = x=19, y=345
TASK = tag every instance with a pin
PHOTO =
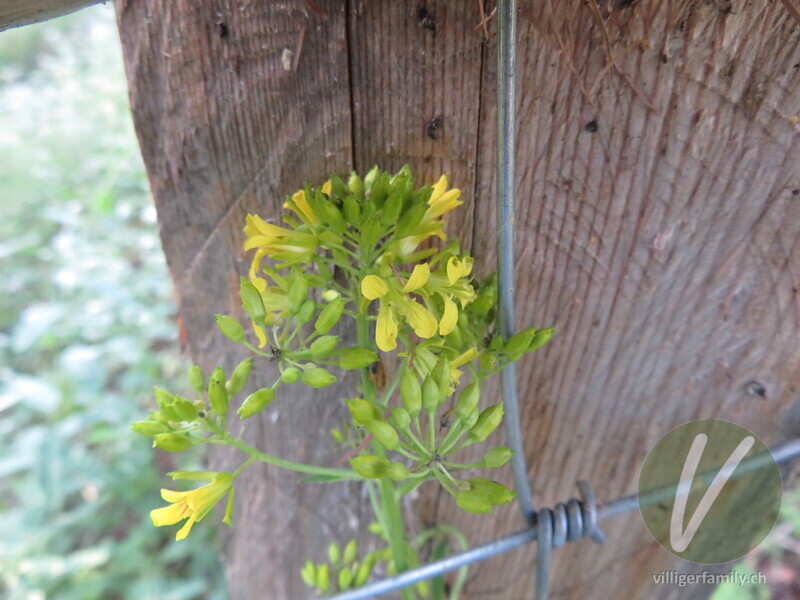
x=658, y=218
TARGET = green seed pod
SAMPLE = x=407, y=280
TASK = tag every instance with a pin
x=541, y=338
x=256, y=402
x=363, y=573
x=391, y=209
x=318, y=377
x=149, y=428
x=494, y=492
x=323, y=346
x=345, y=578
x=230, y=328
x=397, y=471
x=400, y=418
x=252, y=302
x=323, y=578
x=411, y=393
x=186, y=410
x=473, y=503
x=171, y=442
x=239, y=377
x=517, y=343
x=467, y=401
x=488, y=421
x=329, y=316
x=306, y=312
x=362, y=410
x=298, y=293
x=217, y=396
x=197, y=378
x=291, y=375
x=371, y=467
x=383, y=433
x=496, y=457
x=334, y=554
x=356, y=358
x=430, y=394
x=309, y=574
x=350, y=552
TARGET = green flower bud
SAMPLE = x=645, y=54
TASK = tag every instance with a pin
x=495, y=493
x=323, y=578
x=362, y=410
x=400, y=418
x=335, y=218
x=334, y=554
x=541, y=338
x=482, y=305
x=197, y=378
x=410, y=219
x=352, y=211
x=239, y=377
x=323, y=346
x=171, y=442
x=329, y=316
x=473, y=503
x=298, y=292
x=256, y=402
x=487, y=361
x=291, y=375
x=391, y=209
x=488, y=421
x=371, y=231
x=411, y=393
x=330, y=295
x=337, y=436
x=217, y=396
x=371, y=467
x=441, y=374
x=496, y=457
x=306, y=312
x=345, y=578
x=318, y=377
x=371, y=176
x=163, y=397
x=309, y=574
x=430, y=394
x=470, y=421
x=397, y=471
x=252, y=302
x=185, y=409
x=517, y=343
x=383, y=433
x=230, y=328
x=363, y=573
x=467, y=401
x=350, y=552
x=356, y=358
x=355, y=185
x=218, y=374
x=149, y=428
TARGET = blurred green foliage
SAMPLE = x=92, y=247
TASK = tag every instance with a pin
x=87, y=327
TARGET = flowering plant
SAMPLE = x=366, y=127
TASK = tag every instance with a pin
x=355, y=251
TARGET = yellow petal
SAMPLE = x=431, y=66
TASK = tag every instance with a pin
x=438, y=189
x=262, y=338
x=168, y=515
x=172, y=496
x=373, y=287
x=184, y=531
x=421, y=319
x=444, y=204
x=464, y=358
x=256, y=264
x=386, y=329
x=449, y=317
x=326, y=187
x=419, y=277
x=300, y=200
x=458, y=268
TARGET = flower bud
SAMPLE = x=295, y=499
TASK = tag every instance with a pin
x=163, y=397
x=362, y=410
x=352, y=211
x=430, y=394
x=517, y=343
x=256, y=402
x=350, y=552
x=149, y=428
x=298, y=292
x=411, y=393
x=334, y=554
x=371, y=231
x=197, y=378
x=541, y=338
x=318, y=377
x=397, y=471
x=186, y=410
x=329, y=316
x=494, y=492
x=467, y=401
x=441, y=374
x=391, y=209
x=323, y=346
x=488, y=421
x=309, y=574
x=291, y=375
x=230, y=328
x=363, y=573
x=383, y=433
x=345, y=578
x=400, y=418
x=323, y=578
x=252, y=302
x=171, y=442
x=473, y=503
x=306, y=312
x=330, y=295
x=356, y=358
x=355, y=184
x=217, y=396
x=369, y=466
x=410, y=219
x=334, y=217
x=239, y=377
x=470, y=421
x=496, y=457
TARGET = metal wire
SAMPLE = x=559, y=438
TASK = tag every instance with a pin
x=590, y=515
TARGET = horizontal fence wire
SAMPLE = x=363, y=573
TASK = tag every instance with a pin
x=780, y=453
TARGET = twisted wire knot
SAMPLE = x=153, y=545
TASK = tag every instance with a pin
x=571, y=520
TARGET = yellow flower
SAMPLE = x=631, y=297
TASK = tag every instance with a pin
x=303, y=209
x=373, y=287
x=464, y=358
x=194, y=504
x=421, y=319
x=449, y=316
x=456, y=269
x=419, y=277
x=276, y=242
x=386, y=329
x=440, y=203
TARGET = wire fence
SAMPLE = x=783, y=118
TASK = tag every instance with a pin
x=576, y=518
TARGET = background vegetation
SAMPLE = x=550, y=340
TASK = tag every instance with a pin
x=86, y=329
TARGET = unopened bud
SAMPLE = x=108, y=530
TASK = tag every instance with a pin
x=239, y=377
x=230, y=328
x=256, y=402
x=488, y=421
x=291, y=375
x=171, y=442
x=356, y=358
x=318, y=377
x=329, y=316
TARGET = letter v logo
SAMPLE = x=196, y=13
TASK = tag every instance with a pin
x=680, y=539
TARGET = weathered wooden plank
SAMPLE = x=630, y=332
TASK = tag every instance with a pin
x=15, y=13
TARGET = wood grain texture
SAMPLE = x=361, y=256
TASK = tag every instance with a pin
x=15, y=13
x=657, y=227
